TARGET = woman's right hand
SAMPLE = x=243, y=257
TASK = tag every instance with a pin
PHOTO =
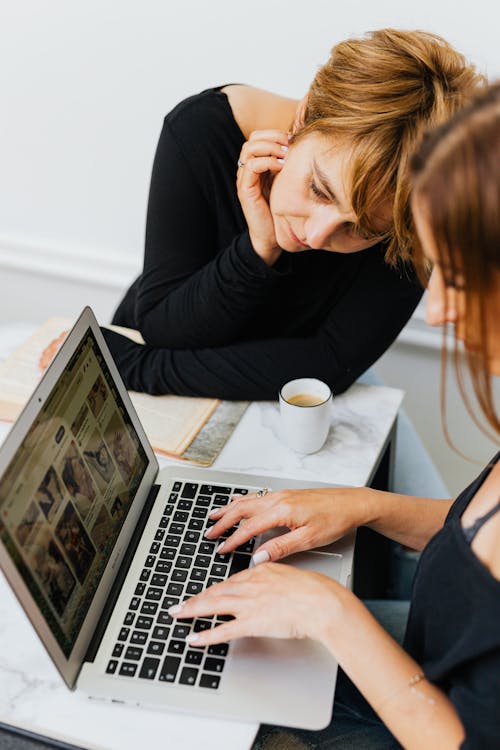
x=262, y=154
x=314, y=517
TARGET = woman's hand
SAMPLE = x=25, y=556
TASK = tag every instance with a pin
x=276, y=601
x=314, y=518
x=262, y=154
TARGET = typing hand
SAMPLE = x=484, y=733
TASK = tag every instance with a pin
x=314, y=518
x=262, y=155
x=277, y=601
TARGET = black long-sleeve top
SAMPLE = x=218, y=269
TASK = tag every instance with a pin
x=216, y=319
x=453, y=627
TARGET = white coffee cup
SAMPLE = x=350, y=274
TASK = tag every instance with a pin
x=305, y=406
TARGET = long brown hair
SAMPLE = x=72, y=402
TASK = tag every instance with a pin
x=456, y=185
x=380, y=93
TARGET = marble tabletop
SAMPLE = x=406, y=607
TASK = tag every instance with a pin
x=32, y=694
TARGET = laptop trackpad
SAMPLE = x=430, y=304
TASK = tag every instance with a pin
x=319, y=562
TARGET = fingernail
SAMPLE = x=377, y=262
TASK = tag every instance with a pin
x=260, y=557
x=221, y=546
x=281, y=161
x=289, y=136
x=192, y=638
x=284, y=148
x=174, y=609
x=213, y=512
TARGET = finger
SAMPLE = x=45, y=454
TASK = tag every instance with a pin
x=252, y=527
x=262, y=148
x=257, y=166
x=230, y=516
x=279, y=136
x=281, y=546
x=227, y=631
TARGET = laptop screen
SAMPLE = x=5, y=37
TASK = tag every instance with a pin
x=66, y=493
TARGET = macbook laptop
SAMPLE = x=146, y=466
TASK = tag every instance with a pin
x=97, y=544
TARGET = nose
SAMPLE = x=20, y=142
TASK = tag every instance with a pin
x=321, y=224
x=440, y=305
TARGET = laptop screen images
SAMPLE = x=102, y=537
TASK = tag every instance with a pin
x=67, y=491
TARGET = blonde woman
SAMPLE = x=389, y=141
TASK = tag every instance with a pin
x=442, y=688
x=278, y=230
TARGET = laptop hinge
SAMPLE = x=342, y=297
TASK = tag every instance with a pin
x=121, y=575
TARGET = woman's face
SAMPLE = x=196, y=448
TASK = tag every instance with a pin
x=309, y=199
x=446, y=296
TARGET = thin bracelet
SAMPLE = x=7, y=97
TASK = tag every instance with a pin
x=412, y=682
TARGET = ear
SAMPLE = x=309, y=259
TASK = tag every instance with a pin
x=298, y=120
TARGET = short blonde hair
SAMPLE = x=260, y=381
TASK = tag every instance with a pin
x=380, y=93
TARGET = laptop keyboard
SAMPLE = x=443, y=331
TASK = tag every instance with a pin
x=180, y=564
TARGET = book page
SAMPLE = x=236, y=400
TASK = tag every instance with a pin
x=170, y=422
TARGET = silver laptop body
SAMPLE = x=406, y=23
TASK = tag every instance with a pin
x=82, y=507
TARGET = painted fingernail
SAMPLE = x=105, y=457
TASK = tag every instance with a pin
x=213, y=512
x=220, y=547
x=174, y=609
x=192, y=638
x=260, y=557
x=284, y=148
x=208, y=532
x=281, y=161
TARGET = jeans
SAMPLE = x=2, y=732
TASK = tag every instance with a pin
x=354, y=725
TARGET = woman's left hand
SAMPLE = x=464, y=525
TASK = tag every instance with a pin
x=273, y=600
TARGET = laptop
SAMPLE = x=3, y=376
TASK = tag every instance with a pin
x=97, y=544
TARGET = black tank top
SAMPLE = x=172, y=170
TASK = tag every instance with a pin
x=453, y=628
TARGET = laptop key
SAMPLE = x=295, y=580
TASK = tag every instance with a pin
x=212, y=581
x=183, y=561
x=169, y=669
x=218, y=649
x=155, y=548
x=164, y=521
x=240, y=491
x=168, y=510
x=221, y=499
x=133, y=653
x=239, y=562
x=195, y=524
x=191, y=536
x=188, y=676
x=193, y=657
x=209, y=681
x=154, y=594
x=184, y=505
x=149, y=668
x=159, y=535
x=159, y=579
x=144, y=623
x=123, y=634
x=203, y=501
x=194, y=588
x=118, y=649
x=175, y=589
x=168, y=553
x=179, y=575
x=145, y=574
x=176, y=647
x=140, y=589
x=128, y=669
x=177, y=486
x=172, y=540
x=177, y=528
x=213, y=665
x=169, y=601
x=206, y=548
x=112, y=665
x=210, y=489
x=198, y=574
x=247, y=547
x=199, y=513
x=163, y=566
x=129, y=618
x=180, y=631
x=149, y=608
x=202, y=625
x=174, y=495
x=163, y=618
x=156, y=647
x=189, y=490
x=160, y=633
x=187, y=549
x=218, y=570
x=150, y=561
x=139, y=637
x=202, y=561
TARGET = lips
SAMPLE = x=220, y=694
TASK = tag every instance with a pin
x=296, y=239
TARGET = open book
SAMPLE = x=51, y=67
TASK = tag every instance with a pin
x=194, y=429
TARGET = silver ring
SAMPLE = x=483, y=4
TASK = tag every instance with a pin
x=262, y=492
x=240, y=163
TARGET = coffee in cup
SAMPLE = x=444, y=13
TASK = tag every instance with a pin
x=305, y=407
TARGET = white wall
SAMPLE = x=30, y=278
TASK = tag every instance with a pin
x=85, y=85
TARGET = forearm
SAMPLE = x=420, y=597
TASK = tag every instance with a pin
x=411, y=521
x=382, y=671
